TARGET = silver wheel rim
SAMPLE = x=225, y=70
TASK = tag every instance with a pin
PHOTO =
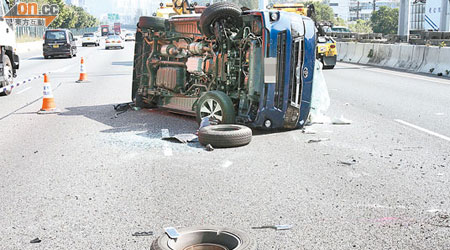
x=211, y=109
x=8, y=74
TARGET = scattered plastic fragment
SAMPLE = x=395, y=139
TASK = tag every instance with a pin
x=276, y=227
x=209, y=148
x=341, y=121
x=182, y=138
x=318, y=140
x=348, y=163
x=308, y=131
x=37, y=240
x=142, y=234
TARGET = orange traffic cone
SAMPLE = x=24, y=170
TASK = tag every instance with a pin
x=83, y=74
x=48, y=102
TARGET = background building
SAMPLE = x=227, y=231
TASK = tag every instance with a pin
x=352, y=10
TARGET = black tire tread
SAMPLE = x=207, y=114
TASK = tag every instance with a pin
x=10, y=90
x=216, y=11
x=224, y=139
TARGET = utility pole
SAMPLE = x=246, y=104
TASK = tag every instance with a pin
x=357, y=12
x=374, y=6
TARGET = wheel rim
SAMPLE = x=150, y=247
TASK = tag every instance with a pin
x=8, y=74
x=211, y=109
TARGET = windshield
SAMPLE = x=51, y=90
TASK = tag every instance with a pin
x=55, y=35
x=129, y=34
x=88, y=35
x=113, y=37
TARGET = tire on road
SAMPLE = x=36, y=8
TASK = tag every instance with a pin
x=8, y=71
x=151, y=22
x=219, y=100
x=329, y=67
x=217, y=11
x=207, y=237
x=225, y=135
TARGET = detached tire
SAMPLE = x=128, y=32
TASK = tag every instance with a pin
x=217, y=11
x=151, y=22
x=225, y=136
x=207, y=237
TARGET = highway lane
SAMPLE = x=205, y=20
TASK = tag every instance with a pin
x=418, y=100
x=89, y=179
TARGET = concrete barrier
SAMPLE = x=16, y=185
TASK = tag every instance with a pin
x=415, y=58
x=350, y=52
x=430, y=60
x=394, y=57
x=367, y=51
x=443, y=62
x=359, y=49
x=342, y=51
x=406, y=54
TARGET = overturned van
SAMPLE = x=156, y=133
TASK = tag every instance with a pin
x=238, y=67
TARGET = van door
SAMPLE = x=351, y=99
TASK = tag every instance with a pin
x=73, y=43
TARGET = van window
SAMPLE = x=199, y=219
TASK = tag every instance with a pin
x=71, y=37
x=88, y=35
x=55, y=35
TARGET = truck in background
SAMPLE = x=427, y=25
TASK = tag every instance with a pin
x=104, y=29
x=117, y=30
x=9, y=60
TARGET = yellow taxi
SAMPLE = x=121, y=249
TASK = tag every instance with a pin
x=326, y=51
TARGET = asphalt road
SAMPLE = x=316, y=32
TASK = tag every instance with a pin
x=88, y=178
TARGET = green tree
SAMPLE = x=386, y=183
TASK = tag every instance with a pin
x=385, y=20
x=323, y=12
x=339, y=22
x=361, y=26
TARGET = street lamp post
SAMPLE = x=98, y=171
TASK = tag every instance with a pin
x=403, y=20
x=445, y=16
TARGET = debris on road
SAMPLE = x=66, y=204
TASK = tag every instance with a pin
x=276, y=227
x=37, y=240
x=307, y=131
x=122, y=108
x=182, y=138
x=348, y=163
x=142, y=234
x=318, y=140
x=440, y=219
x=341, y=121
x=209, y=148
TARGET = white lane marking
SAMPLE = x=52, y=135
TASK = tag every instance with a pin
x=227, y=164
x=409, y=75
x=23, y=90
x=439, y=114
x=423, y=130
x=166, y=147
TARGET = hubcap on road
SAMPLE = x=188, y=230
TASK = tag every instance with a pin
x=212, y=109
